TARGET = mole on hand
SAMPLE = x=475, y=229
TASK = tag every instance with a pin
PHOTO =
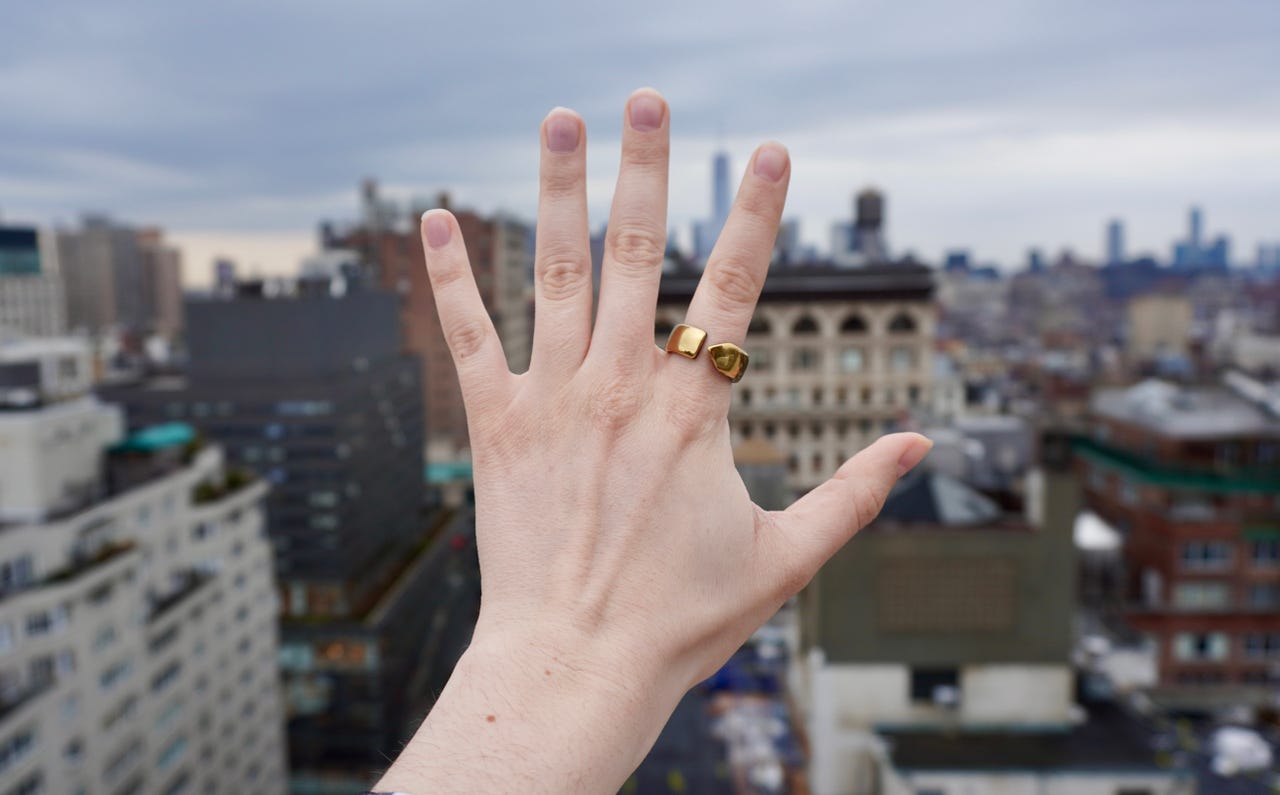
x=490, y=718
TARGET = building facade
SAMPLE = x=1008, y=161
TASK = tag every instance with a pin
x=32, y=301
x=938, y=652
x=838, y=358
x=120, y=279
x=137, y=618
x=1188, y=475
x=311, y=388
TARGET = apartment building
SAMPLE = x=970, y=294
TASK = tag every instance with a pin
x=137, y=611
x=839, y=356
x=1189, y=477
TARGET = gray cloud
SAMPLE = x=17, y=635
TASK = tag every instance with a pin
x=261, y=117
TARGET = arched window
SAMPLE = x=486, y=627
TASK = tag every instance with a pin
x=902, y=324
x=805, y=325
x=853, y=324
x=759, y=326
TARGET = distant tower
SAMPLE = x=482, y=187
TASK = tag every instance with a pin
x=705, y=233
x=722, y=198
x=1196, y=229
x=868, y=222
x=1115, y=242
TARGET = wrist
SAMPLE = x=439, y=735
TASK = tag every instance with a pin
x=584, y=719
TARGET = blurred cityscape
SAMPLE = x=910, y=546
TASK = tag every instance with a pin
x=237, y=536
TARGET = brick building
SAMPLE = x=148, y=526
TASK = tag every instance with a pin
x=1189, y=477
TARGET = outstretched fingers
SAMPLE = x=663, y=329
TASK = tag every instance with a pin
x=477, y=351
x=822, y=521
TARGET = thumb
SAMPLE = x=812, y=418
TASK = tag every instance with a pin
x=817, y=525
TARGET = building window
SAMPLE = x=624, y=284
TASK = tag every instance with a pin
x=759, y=326
x=902, y=359
x=935, y=685
x=851, y=360
x=1264, y=595
x=1201, y=595
x=902, y=324
x=1261, y=646
x=1265, y=552
x=1206, y=555
x=853, y=324
x=805, y=326
x=804, y=359
x=1200, y=646
x=913, y=395
x=761, y=360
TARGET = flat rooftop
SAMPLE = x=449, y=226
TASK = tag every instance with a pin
x=1110, y=740
x=1188, y=412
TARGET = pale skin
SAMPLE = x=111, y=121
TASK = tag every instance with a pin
x=621, y=557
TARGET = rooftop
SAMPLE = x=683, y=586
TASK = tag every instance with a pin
x=1108, y=740
x=1235, y=409
x=821, y=280
x=926, y=497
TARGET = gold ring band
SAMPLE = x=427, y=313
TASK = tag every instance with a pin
x=729, y=360
x=686, y=341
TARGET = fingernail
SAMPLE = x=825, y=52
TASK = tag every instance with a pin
x=914, y=455
x=438, y=230
x=771, y=160
x=562, y=131
x=645, y=112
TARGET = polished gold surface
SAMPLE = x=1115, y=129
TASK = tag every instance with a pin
x=729, y=359
x=686, y=341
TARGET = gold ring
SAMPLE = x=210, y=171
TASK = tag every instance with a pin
x=729, y=360
x=686, y=341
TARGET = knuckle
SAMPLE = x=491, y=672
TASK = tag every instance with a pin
x=866, y=502
x=638, y=248
x=467, y=339
x=444, y=276
x=692, y=418
x=734, y=284
x=562, y=180
x=562, y=275
x=647, y=155
x=612, y=401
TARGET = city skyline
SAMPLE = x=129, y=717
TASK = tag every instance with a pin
x=1104, y=116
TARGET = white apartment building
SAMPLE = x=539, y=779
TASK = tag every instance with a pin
x=839, y=356
x=137, y=606
x=33, y=304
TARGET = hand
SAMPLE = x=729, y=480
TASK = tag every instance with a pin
x=621, y=557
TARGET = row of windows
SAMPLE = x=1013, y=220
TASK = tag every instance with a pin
x=818, y=431
x=1219, y=555
x=1216, y=646
x=807, y=325
x=795, y=397
x=1218, y=596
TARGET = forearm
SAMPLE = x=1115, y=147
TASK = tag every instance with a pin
x=524, y=720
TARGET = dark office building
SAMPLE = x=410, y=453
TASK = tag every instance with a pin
x=313, y=391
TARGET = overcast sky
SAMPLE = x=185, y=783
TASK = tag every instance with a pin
x=991, y=126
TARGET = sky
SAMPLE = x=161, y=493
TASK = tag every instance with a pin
x=990, y=126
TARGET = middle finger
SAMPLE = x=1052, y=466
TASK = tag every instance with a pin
x=637, y=234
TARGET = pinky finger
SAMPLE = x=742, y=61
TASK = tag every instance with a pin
x=477, y=351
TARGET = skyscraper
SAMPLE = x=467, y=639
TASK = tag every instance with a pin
x=705, y=233
x=1195, y=253
x=1115, y=242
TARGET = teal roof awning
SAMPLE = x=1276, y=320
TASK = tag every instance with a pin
x=158, y=437
x=448, y=471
